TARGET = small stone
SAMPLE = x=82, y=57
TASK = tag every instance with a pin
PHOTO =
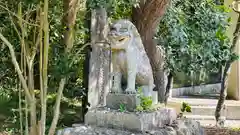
x=66, y=131
x=169, y=128
x=82, y=128
x=110, y=132
x=180, y=133
x=151, y=132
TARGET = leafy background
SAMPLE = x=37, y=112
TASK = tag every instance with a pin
x=193, y=34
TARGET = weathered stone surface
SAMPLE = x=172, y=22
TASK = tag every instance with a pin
x=232, y=112
x=99, y=79
x=130, y=101
x=134, y=121
x=188, y=127
x=182, y=127
x=204, y=90
x=129, y=59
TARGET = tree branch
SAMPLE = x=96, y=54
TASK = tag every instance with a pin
x=70, y=6
x=16, y=65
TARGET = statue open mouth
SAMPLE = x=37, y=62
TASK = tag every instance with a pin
x=121, y=39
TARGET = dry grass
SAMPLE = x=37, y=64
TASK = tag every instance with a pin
x=221, y=131
x=3, y=133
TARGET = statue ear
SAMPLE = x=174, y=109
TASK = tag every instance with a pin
x=134, y=31
x=130, y=27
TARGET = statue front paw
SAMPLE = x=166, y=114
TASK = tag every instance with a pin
x=130, y=91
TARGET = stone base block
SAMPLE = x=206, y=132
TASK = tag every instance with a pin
x=182, y=127
x=130, y=101
x=133, y=121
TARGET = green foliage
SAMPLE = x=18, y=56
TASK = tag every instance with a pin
x=186, y=107
x=9, y=116
x=5, y=96
x=93, y=4
x=117, y=9
x=139, y=108
x=235, y=129
x=122, y=9
x=193, y=34
x=122, y=107
x=60, y=64
x=7, y=76
x=145, y=102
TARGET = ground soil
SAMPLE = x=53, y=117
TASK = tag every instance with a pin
x=208, y=131
x=221, y=131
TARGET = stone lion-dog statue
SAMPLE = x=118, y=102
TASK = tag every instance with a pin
x=129, y=59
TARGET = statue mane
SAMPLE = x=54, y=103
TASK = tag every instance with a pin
x=131, y=28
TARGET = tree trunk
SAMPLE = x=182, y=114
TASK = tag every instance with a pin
x=69, y=19
x=168, y=87
x=86, y=67
x=224, y=81
x=85, y=103
x=146, y=18
x=223, y=92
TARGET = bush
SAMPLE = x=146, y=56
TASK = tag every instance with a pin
x=193, y=34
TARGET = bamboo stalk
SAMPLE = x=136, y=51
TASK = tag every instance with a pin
x=20, y=104
x=20, y=86
x=33, y=116
x=25, y=76
x=43, y=109
x=45, y=65
x=26, y=117
x=16, y=65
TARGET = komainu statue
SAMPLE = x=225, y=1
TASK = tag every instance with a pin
x=129, y=59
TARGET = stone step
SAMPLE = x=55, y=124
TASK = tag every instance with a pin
x=233, y=112
x=227, y=123
x=202, y=101
x=211, y=90
x=210, y=121
x=193, y=102
x=205, y=110
x=207, y=107
x=202, y=117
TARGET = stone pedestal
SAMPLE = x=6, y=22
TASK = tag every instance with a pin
x=130, y=101
x=132, y=121
x=184, y=127
x=155, y=97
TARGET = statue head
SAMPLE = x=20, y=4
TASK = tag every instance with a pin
x=121, y=33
